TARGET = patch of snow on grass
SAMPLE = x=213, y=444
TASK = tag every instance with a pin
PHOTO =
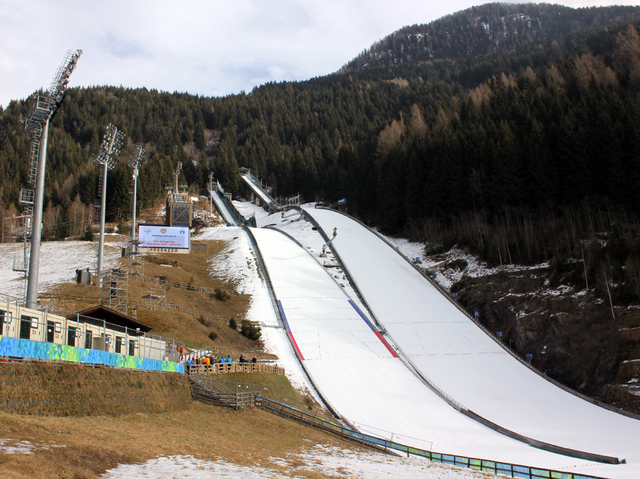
x=13, y=446
x=330, y=461
x=188, y=467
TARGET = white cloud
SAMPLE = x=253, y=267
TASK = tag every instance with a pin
x=204, y=47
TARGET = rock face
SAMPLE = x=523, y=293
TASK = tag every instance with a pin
x=572, y=336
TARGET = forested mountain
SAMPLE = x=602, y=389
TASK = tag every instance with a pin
x=495, y=28
x=529, y=111
x=510, y=130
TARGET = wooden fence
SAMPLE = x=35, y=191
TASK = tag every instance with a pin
x=225, y=368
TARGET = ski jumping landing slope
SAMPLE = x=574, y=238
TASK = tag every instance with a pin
x=467, y=364
x=361, y=377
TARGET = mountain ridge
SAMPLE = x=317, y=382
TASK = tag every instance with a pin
x=487, y=29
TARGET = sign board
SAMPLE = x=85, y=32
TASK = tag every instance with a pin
x=163, y=239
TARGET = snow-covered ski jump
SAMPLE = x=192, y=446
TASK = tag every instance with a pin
x=406, y=364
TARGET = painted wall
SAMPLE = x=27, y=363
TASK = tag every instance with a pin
x=23, y=348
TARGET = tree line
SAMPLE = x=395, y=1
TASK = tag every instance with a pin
x=484, y=152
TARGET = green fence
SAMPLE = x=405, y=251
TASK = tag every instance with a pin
x=484, y=465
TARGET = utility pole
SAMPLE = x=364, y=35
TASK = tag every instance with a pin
x=38, y=126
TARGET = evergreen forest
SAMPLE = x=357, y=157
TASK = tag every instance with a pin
x=512, y=130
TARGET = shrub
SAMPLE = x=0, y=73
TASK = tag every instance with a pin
x=250, y=330
x=88, y=234
x=233, y=324
x=123, y=227
x=221, y=295
x=213, y=335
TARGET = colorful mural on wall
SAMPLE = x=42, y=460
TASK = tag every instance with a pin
x=23, y=348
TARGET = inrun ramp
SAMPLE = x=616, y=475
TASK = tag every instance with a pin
x=257, y=189
x=467, y=364
x=360, y=376
x=226, y=215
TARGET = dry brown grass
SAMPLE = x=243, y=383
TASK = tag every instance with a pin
x=108, y=416
x=209, y=314
x=94, y=444
x=279, y=389
x=62, y=389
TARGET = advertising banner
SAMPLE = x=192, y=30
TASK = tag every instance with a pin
x=163, y=239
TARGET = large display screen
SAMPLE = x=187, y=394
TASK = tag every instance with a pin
x=163, y=238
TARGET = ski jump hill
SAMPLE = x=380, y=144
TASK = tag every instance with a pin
x=397, y=359
x=225, y=212
x=257, y=189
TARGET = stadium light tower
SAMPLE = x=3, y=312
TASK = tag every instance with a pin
x=106, y=158
x=176, y=175
x=135, y=164
x=38, y=126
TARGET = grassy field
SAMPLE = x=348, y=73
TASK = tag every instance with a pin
x=78, y=421
x=85, y=447
x=40, y=388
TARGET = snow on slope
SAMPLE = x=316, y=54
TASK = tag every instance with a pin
x=60, y=259
x=470, y=366
x=238, y=264
x=360, y=377
x=58, y=263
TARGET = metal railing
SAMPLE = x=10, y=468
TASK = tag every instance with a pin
x=209, y=389
x=229, y=394
x=237, y=395
x=484, y=465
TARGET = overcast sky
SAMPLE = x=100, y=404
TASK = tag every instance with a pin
x=204, y=47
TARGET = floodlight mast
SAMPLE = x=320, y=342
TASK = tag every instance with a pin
x=38, y=123
x=135, y=164
x=176, y=175
x=211, y=193
x=106, y=158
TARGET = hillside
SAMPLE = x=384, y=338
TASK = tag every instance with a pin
x=86, y=422
x=513, y=136
x=482, y=31
x=66, y=428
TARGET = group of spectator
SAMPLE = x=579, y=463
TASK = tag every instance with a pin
x=172, y=348
x=243, y=359
x=211, y=359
